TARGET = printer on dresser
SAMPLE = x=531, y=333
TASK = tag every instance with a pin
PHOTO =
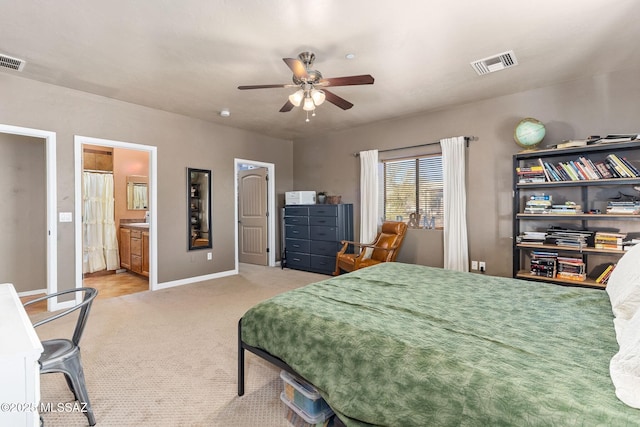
x=313, y=234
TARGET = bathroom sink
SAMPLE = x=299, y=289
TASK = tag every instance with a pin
x=138, y=224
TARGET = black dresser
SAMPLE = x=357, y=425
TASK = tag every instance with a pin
x=313, y=234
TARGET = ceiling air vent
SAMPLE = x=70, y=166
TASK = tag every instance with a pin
x=495, y=63
x=12, y=63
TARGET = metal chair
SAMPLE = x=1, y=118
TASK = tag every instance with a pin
x=63, y=355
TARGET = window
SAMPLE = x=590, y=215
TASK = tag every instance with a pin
x=410, y=186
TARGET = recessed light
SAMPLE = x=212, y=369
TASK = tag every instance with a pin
x=350, y=55
x=225, y=113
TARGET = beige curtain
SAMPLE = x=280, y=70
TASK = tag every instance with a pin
x=368, y=197
x=100, y=244
x=456, y=252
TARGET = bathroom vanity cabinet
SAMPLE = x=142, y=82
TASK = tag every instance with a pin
x=134, y=248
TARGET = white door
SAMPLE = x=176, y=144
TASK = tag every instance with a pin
x=252, y=216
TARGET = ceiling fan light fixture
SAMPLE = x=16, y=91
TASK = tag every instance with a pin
x=296, y=98
x=318, y=96
x=308, y=104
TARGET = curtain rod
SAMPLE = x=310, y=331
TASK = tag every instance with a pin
x=96, y=171
x=466, y=139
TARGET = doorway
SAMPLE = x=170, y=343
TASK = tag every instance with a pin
x=49, y=139
x=253, y=215
x=255, y=188
x=80, y=142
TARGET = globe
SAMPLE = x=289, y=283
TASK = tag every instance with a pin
x=529, y=133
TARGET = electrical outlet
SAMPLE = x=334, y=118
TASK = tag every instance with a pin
x=483, y=266
x=209, y=256
x=474, y=265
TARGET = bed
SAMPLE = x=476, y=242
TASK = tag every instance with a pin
x=406, y=345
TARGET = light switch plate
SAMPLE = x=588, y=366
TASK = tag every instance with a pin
x=66, y=217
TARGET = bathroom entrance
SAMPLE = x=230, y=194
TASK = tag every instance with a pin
x=115, y=192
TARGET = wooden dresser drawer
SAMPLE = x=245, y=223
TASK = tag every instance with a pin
x=296, y=211
x=298, y=260
x=323, y=210
x=297, y=245
x=324, y=247
x=296, y=220
x=136, y=234
x=318, y=232
x=296, y=231
x=324, y=263
x=323, y=220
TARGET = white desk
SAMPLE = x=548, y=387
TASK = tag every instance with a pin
x=20, y=349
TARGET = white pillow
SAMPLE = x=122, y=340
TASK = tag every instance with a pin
x=625, y=365
x=623, y=286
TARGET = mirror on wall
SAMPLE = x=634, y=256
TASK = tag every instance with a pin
x=199, y=208
x=137, y=193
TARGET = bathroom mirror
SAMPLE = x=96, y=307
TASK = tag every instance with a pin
x=137, y=193
x=199, y=208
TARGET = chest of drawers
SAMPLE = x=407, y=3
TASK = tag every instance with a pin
x=313, y=234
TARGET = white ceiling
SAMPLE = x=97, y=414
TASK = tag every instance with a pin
x=189, y=56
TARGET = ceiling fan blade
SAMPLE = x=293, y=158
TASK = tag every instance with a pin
x=336, y=100
x=364, y=79
x=262, y=86
x=286, y=107
x=297, y=67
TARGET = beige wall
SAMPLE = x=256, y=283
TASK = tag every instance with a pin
x=181, y=142
x=599, y=105
x=23, y=225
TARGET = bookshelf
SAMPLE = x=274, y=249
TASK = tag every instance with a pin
x=582, y=203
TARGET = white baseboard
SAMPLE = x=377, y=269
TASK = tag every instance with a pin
x=196, y=279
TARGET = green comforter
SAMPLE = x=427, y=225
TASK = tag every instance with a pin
x=406, y=345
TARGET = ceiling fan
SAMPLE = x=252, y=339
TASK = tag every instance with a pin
x=312, y=86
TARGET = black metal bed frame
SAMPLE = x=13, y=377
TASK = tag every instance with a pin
x=242, y=346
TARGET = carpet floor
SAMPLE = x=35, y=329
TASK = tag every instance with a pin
x=169, y=357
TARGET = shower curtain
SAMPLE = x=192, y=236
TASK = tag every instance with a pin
x=100, y=244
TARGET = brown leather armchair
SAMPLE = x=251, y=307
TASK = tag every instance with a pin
x=385, y=248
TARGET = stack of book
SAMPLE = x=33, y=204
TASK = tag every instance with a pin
x=538, y=204
x=623, y=207
x=543, y=263
x=569, y=208
x=609, y=240
x=575, y=239
x=529, y=174
x=571, y=269
x=610, y=139
x=532, y=237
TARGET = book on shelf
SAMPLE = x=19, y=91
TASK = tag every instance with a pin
x=609, y=240
x=599, y=270
x=604, y=277
x=571, y=268
x=543, y=263
x=569, y=208
x=580, y=169
x=613, y=138
x=538, y=204
x=575, y=239
x=568, y=143
x=623, y=207
x=532, y=237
